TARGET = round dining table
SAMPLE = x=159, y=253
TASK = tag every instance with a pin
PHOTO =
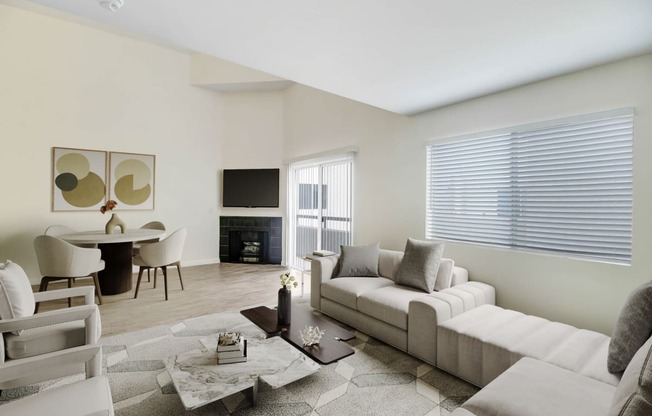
x=117, y=253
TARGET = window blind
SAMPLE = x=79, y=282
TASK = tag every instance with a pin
x=561, y=187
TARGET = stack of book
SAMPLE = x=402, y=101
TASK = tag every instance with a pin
x=231, y=348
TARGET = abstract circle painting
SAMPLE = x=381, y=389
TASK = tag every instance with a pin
x=132, y=179
x=79, y=179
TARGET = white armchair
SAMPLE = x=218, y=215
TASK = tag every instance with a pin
x=161, y=254
x=91, y=396
x=24, y=334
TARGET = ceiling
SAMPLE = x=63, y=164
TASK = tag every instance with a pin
x=403, y=56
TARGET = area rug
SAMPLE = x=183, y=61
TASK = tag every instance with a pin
x=377, y=380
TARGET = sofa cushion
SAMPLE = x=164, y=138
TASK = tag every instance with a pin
x=389, y=261
x=359, y=261
x=16, y=296
x=534, y=388
x=345, y=290
x=46, y=339
x=633, y=328
x=389, y=304
x=420, y=264
x=482, y=343
x=635, y=388
x=444, y=274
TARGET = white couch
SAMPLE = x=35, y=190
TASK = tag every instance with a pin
x=533, y=387
x=401, y=316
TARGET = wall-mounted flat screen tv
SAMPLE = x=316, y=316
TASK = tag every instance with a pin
x=250, y=188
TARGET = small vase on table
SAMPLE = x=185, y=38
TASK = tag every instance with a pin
x=284, y=309
x=284, y=306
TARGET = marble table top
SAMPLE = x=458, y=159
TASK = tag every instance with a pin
x=100, y=237
x=199, y=380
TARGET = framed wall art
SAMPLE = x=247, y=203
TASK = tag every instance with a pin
x=132, y=180
x=78, y=179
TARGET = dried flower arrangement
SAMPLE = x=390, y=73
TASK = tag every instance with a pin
x=110, y=204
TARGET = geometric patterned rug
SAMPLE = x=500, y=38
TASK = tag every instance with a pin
x=377, y=380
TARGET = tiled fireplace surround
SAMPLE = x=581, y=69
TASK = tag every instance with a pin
x=269, y=227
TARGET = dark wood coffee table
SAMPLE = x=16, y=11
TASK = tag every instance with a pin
x=330, y=348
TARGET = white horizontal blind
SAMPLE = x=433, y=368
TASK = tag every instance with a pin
x=564, y=188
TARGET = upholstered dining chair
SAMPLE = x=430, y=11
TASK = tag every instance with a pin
x=153, y=225
x=91, y=396
x=60, y=260
x=59, y=229
x=161, y=254
x=24, y=334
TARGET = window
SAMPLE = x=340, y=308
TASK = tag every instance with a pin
x=319, y=205
x=560, y=187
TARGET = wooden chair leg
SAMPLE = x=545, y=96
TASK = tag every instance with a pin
x=98, y=291
x=165, y=279
x=140, y=275
x=149, y=279
x=155, y=277
x=70, y=287
x=42, y=288
x=178, y=264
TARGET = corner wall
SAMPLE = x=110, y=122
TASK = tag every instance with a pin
x=68, y=85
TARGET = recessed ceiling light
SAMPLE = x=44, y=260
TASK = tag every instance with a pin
x=112, y=5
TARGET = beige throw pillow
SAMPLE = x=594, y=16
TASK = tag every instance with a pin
x=16, y=296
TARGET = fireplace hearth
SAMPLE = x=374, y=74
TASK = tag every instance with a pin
x=251, y=240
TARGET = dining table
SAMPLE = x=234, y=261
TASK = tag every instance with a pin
x=117, y=253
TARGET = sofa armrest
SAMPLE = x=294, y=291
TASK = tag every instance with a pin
x=90, y=314
x=88, y=292
x=89, y=354
x=428, y=311
x=322, y=269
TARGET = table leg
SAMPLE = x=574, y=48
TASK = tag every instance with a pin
x=252, y=393
x=116, y=277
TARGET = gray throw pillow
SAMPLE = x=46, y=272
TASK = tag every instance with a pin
x=359, y=261
x=633, y=328
x=635, y=382
x=420, y=264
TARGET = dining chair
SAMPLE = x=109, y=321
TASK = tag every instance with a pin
x=60, y=260
x=25, y=334
x=153, y=225
x=58, y=229
x=161, y=254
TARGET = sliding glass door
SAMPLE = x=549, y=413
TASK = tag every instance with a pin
x=320, y=207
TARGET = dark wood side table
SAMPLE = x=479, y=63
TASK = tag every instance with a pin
x=330, y=348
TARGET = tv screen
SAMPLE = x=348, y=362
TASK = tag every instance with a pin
x=251, y=188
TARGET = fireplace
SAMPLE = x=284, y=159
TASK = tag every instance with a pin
x=248, y=246
x=251, y=240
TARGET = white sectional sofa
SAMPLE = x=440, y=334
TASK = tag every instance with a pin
x=527, y=366
x=401, y=316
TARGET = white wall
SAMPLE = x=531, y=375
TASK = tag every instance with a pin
x=252, y=138
x=67, y=85
x=390, y=182
x=583, y=293
x=316, y=121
